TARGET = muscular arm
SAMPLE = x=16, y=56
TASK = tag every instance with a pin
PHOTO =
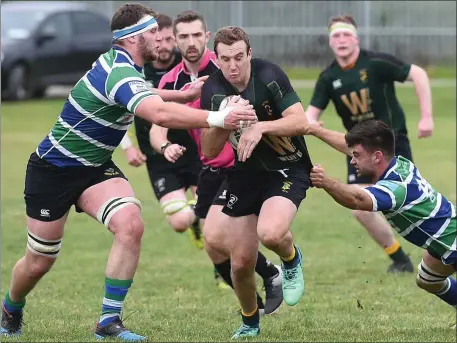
x=178, y=96
x=333, y=138
x=423, y=92
x=177, y=116
x=157, y=136
x=293, y=123
x=350, y=196
x=213, y=141
x=313, y=114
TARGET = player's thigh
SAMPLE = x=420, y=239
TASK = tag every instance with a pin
x=275, y=218
x=209, y=181
x=244, y=193
x=216, y=228
x=435, y=263
x=112, y=202
x=50, y=191
x=165, y=181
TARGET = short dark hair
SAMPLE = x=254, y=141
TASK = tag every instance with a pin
x=129, y=14
x=348, y=19
x=229, y=35
x=372, y=135
x=163, y=21
x=188, y=17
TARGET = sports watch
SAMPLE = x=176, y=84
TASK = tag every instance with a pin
x=163, y=146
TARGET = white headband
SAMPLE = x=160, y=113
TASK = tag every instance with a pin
x=342, y=27
x=144, y=24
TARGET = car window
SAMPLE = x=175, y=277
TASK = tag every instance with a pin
x=17, y=24
x=86, y=23
x=57, y=25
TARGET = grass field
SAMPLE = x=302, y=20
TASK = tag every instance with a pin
x=174, y=298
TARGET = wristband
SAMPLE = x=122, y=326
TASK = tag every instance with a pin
x=216, y=118
x=126, y=142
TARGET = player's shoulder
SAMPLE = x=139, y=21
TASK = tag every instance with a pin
x=327, y=72
x=214, y=81
x=377, y=56
x=172, y=75
x=265, y=69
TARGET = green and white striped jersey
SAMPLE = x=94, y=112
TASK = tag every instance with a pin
x=97, y=113
x=415, y=209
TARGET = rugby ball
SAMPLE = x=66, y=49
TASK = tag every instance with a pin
x=235, y=135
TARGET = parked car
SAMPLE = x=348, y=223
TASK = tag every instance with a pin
x=48, y=43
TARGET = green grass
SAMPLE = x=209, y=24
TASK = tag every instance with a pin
x=173, y=297
x=434, y=72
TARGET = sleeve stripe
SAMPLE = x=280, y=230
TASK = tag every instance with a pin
x=141, y=99
x=389, y=193
x=375, y=202
x=113, y=91
x=135, y=98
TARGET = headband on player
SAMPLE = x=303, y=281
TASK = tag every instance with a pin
x=144, y=24
x=342, y=27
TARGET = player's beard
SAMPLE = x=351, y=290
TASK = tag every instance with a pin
x=165, y=56
x=148, y=52
x=196, y=54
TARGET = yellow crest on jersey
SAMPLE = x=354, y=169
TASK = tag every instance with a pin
x=363, y=75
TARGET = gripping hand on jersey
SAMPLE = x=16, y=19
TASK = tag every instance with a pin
x=249, y=139
x=173, y=152
x=318, y=176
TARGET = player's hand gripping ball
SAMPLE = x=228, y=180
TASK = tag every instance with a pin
x=235, y=135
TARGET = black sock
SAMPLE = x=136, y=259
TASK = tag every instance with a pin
x=399, y=256
x=265, y=268
x=251, y=320
x=224, y=269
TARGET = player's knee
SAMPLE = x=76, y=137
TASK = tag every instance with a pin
x=179, y=214
x=181, y=221
x=38, y=265
x=271, y=236
x=243, y=264
x=428, y=279
x=128, y=226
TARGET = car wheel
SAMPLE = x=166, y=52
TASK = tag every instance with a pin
x=18, y=83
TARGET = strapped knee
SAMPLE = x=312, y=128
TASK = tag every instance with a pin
x=427, y=276
x=43, y=247
x=174, y=206
x=110, y=207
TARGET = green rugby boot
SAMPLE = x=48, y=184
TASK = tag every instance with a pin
x=293, y=284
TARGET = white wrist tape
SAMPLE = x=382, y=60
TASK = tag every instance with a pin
x=216, y=118
x=126, y=142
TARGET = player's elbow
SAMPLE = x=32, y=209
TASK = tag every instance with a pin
x=210, y=152
x=417, y=74
x=161, y=115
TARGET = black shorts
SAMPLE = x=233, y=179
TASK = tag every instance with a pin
x=402, y=147
x=50, y=191
x=248, y=190
x=211, y=189
x=165, y=181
